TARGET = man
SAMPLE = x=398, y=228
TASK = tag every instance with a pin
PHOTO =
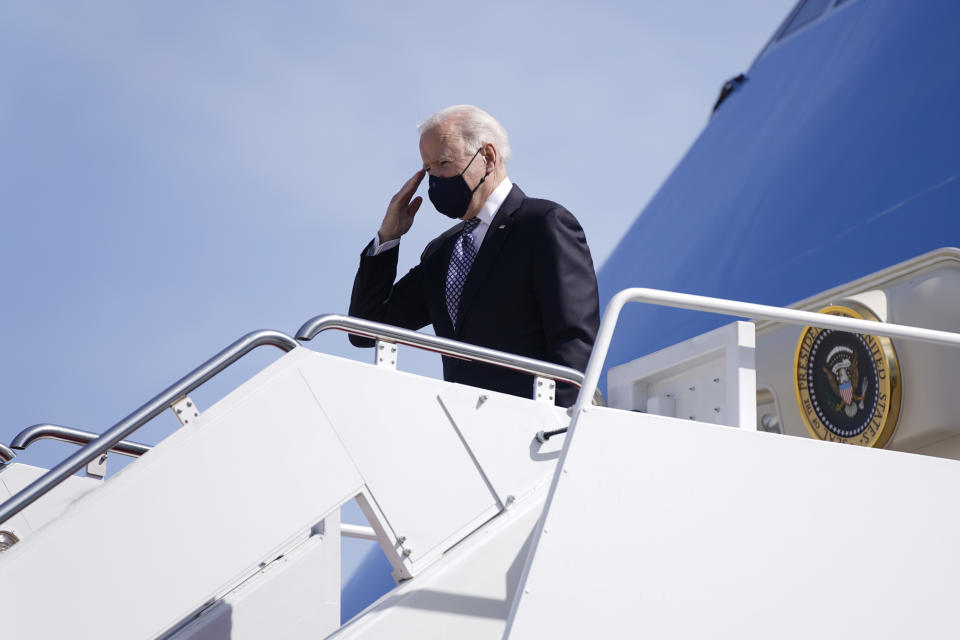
x=514, y=275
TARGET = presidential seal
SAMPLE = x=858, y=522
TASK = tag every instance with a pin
x=847, y=384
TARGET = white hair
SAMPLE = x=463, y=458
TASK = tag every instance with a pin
x=476, y=126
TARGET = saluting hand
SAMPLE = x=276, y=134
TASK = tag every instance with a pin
x=401, y=210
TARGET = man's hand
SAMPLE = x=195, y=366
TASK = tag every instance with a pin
x=399, y=217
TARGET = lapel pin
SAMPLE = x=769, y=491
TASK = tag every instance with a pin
x=503, y=226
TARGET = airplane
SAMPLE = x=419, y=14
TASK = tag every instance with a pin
x=824, y=180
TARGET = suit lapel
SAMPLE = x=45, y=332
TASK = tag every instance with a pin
x=489, y=250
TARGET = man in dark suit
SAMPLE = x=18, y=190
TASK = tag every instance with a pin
x=514, y=275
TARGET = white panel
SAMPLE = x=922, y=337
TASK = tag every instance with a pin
x=412, y=460
x=295, y=596
x=729, y=533
x=15, y=476
x=187, y=521
x=662, y=406
x=708, y=378
x=501, y=434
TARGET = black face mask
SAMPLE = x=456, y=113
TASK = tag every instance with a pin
x=451, y=196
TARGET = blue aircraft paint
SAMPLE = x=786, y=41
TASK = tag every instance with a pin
x=836, y=157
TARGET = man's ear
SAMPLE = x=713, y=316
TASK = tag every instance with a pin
x=490, y=156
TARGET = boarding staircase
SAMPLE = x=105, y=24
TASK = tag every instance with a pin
x=494, y=522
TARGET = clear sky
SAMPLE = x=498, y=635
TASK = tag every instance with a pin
x=173, y=175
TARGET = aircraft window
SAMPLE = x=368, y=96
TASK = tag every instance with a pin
x=805, y=13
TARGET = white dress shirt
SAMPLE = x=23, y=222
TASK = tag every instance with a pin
x=486, y=215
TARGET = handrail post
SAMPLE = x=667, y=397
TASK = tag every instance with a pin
x=591, y=377
x=385, y=354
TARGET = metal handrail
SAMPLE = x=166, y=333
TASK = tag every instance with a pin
x=742, y=310
x=112, y=436
x=445, y=346
x=74, y=436
x=6, y=455
x=357, y=531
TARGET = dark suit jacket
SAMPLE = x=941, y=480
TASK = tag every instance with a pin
x=531, y=291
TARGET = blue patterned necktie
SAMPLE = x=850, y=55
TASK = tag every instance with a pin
x=461, y=260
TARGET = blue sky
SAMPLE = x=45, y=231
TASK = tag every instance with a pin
x=173, y=175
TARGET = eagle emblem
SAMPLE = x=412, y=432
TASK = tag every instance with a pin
x=847, y=384
x=843, y=373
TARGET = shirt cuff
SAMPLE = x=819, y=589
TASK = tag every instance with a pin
x=379, y=247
